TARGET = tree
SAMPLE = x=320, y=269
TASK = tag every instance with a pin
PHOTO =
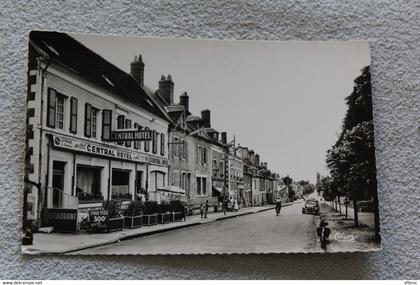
x=287, y=180
x=351, y=160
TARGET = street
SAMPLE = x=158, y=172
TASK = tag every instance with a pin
x=291, y=231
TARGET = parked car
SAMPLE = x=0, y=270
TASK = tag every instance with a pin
x=311, y=207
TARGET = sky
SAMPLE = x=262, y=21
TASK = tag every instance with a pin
x=284, y=100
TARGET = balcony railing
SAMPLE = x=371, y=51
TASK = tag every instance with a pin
x=56, y=198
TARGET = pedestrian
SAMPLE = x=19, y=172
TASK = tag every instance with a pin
x=185, y=212
x=235, y=205
x=206, y=209
x=201, y=210
x=278, y=206
x=224, y=205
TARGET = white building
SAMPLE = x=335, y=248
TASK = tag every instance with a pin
x=75, y=100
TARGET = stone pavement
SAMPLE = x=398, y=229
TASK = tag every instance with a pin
x=60, y=243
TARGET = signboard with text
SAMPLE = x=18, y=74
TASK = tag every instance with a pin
x=86, y=147
x=124, y=136
x=63, y=220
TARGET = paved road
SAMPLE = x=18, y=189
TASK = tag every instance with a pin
x=261, y=232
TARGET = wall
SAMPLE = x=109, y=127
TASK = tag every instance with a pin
x=392, y=28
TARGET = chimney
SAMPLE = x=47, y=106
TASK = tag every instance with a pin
x=137, y=70
x=166, y=89
x=205, y=118
x=265, y=165
x=251, y=156
x=184, y=101
x=257, y=159
x=224, y=137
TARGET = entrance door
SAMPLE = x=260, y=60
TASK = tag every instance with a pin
x=57, y=183
x=139, y=183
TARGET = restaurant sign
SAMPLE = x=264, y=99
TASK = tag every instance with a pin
x=64, y=220
x=124, y=136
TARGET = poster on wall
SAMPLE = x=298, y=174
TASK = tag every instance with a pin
x=254, y=146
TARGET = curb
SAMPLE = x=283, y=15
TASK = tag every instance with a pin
x=139, y=235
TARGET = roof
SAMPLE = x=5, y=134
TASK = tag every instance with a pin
x=68, y=52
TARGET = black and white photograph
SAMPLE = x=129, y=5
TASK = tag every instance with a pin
x=144, y=146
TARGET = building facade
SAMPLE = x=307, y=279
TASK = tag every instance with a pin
x=72, y=111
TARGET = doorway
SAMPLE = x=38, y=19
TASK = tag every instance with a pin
x=57, y=183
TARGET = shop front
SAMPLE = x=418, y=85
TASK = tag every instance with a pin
x=83, y=174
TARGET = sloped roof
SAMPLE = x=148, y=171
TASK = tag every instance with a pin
x=66, y=51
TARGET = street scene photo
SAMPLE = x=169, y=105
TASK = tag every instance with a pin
x=144, y=146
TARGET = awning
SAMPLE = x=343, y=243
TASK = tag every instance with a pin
x=220, y=189
x=173, y=189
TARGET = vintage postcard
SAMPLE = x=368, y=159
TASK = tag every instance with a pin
x=179, y=146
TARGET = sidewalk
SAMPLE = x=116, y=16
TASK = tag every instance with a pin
x=60, y=243
x=365, y=218
x=344, y=235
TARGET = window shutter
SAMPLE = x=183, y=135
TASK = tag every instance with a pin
x=162, y=144
x=136, y=143
x=154, y=141
x=51, y=108
x=147, y=143
x=73, y=115
x=128, y=126
x=88, y=116
x=106, y=124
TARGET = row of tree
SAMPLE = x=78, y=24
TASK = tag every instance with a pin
x=351, y=160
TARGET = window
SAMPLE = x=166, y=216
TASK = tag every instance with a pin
x=198, y=185
x=154, y=141
x=147, y=143
x=120, y=125
x=128, y=126
x=201, y=154
x=175, y=147
x=204, y=186
x=180, y=147
x=60, y=112
x=88, y=181
x=222, y=169
x=106, y=124
x=51, y=108
x=162, y=144
x=201, y=186
x=120, y=122
x=120, y=184
x=204, y=155
x=94, y=122
x=73, y=115
x=88, y=120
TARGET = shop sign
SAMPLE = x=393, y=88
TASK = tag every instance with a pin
x=124, y=136
x=96, y=149
x=158, y=161
x=98, y=216
x=61, y=219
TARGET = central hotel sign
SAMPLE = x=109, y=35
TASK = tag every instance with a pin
x=101, y=150
x=123, y=136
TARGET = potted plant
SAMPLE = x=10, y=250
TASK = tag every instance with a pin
x=149, y=213
x=176, y=210
x=115, y=220
x=163, y=214
x=133, y=215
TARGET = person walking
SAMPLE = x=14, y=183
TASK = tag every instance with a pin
x=206, y=209
x=278, y=206
x=235, y=205
x=185, y=212
x=202, y=210
x=224, y=205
